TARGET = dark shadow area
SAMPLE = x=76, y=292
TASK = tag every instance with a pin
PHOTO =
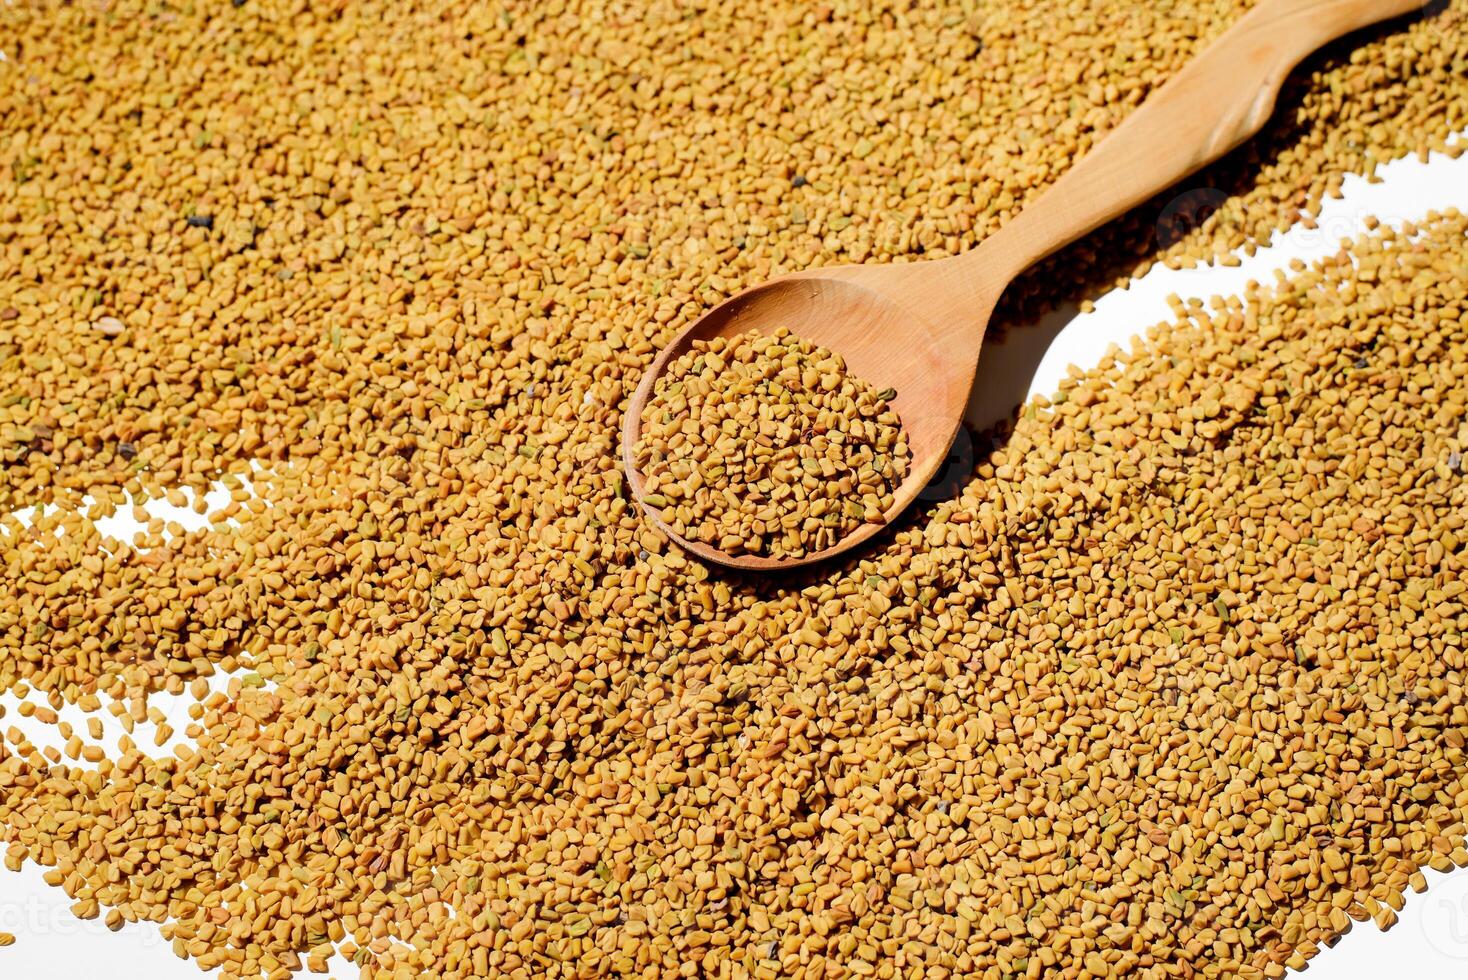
x=1007, y=367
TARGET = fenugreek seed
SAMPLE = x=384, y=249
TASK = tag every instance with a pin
x=765, y=445
x=1172, y=684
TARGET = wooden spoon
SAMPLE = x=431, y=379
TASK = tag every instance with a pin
x=917, y=327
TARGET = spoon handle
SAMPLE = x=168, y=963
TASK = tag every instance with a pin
x=1220, y=99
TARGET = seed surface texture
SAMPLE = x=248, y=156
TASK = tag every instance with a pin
x=1168, y=683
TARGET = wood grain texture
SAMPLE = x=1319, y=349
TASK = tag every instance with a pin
x=918, y=327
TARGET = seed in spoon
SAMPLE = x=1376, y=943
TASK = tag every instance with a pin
x=766, y=445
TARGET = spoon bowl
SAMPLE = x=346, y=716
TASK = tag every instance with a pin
x=861, y=313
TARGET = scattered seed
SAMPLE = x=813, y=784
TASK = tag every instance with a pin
x=1014, y=737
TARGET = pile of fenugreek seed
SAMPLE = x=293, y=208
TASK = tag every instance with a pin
x=765, y=445
x=1172, y=686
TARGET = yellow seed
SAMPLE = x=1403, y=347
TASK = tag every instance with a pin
x=1164, y=678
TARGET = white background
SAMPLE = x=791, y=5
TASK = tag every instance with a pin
x=1431, y=940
